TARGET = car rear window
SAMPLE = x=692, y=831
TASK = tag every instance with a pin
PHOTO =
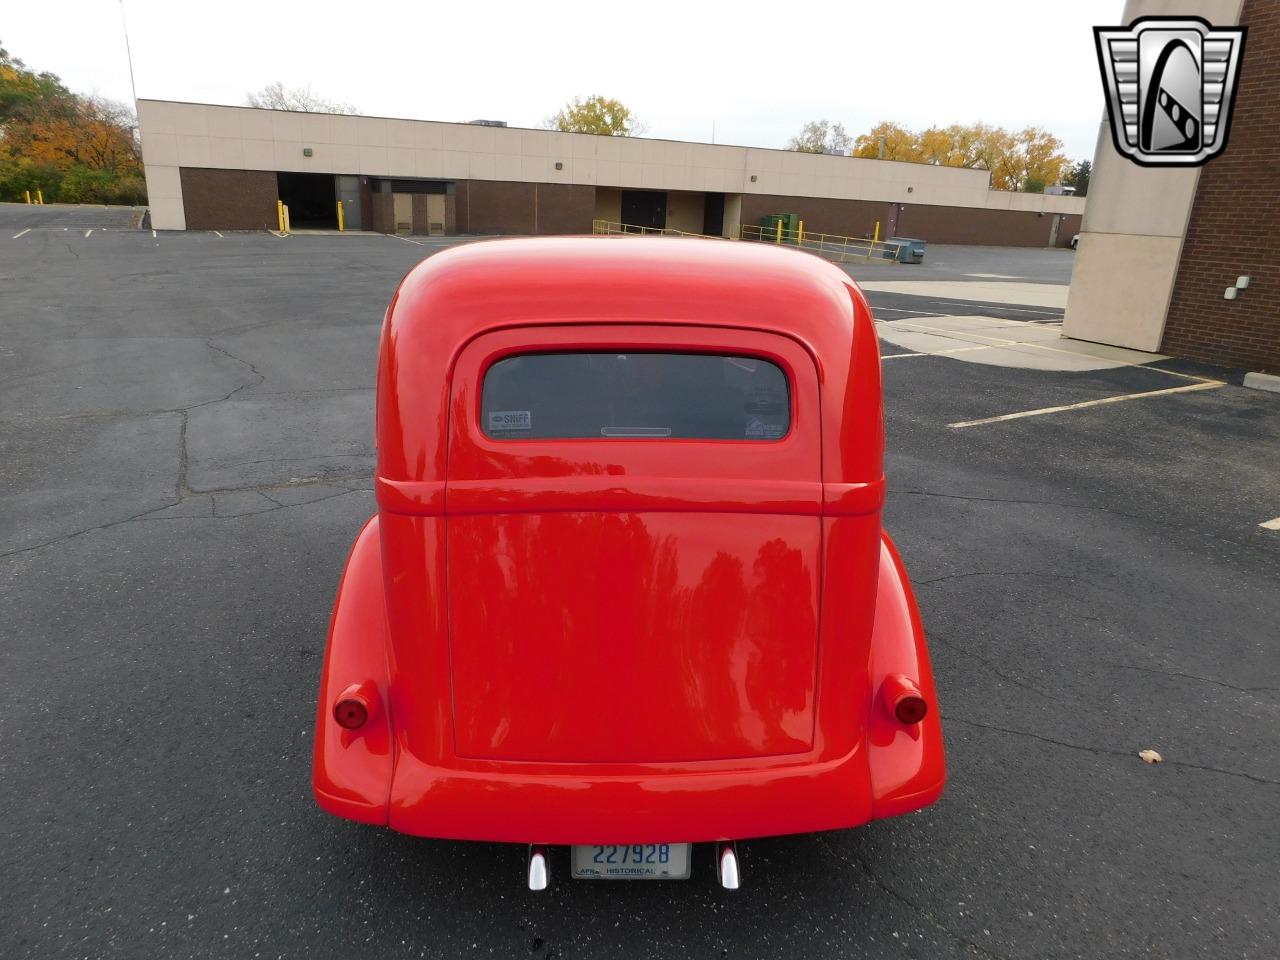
x=695, y=396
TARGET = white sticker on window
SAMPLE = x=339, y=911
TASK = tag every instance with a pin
x=510, y=420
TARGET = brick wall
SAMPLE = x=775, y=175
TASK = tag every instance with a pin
x=509, y=207
x=936, y=224
x=1004, y=228
x=229, y=199
x=382, y=207
x=1234, y=228
x=845, y=218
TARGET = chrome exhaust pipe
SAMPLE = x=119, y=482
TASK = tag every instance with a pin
x=727, y=864
x=539, y=867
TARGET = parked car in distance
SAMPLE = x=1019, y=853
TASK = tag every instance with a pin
x=626, y=589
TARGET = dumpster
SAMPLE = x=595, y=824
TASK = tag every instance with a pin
x=790, y=226
x=909, y=250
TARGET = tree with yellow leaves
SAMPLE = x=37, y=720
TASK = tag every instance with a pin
x=1029, y=159
x=596, y=114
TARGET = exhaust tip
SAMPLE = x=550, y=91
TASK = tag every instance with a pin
x=727, y=865
x=539, y=867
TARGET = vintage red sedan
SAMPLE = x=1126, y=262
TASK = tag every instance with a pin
x=627, y=587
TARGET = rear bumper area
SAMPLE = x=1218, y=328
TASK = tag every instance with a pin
x=655, y=807
x=375, y=775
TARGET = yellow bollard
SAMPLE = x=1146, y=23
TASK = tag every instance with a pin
x=39, y=196
x=280, y=215
x=286, y=218
x=341, y=226
x=877, y=237
x=27, y=194
x=779, y=240
x=800, y=233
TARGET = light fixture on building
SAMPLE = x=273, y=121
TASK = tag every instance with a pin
x=911, y=189
x=307, y=151
x=559, y=165
x=753, y=178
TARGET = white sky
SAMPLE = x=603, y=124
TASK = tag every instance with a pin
x=758, y=70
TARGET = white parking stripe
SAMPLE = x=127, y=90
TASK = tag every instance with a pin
x=87, y=232
x=936, y=353
x=911, y=326
x=407, y=240
x=153, y=234
x=21, y=232
x=1271, y=524
x=1211, y=385
x=218, y=235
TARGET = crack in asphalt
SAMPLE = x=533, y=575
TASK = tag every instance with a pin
x=908, y=902
x=936, y=638
x=1191, y=676
x=1107, y=751
x=261, y=377
x=146, y=515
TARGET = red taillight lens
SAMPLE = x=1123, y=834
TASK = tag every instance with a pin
x=351, y=714
x=902, y=698
x=910, y=709
x=355, y=705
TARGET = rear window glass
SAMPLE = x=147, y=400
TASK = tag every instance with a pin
x=634, y=396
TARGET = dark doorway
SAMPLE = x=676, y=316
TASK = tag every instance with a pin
x=311, y=199
x=713, y=215
x=644, y=208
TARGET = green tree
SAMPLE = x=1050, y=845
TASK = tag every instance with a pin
x=1077, y=176
x=276, y=96
x=821, y=136
x=598, y=115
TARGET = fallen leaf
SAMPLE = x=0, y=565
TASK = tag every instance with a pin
x=1150, y=756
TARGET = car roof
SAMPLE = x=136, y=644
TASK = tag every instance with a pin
x=474, y=288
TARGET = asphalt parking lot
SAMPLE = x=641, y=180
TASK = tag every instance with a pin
x=186, y=443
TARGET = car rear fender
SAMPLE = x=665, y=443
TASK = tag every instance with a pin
x=908, y=768
x=351, y=769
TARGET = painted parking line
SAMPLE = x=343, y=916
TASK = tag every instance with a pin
x=911, y=327
x=1210, y=385
x=937, y=353
x=153, y=234
x=218, y=235
x=407, y=240
x=1050, y=312
x=21, y=232
x=914, y=313
x=87, y=232
x=1271, y=524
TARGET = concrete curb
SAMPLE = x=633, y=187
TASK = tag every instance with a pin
x=1262, y=381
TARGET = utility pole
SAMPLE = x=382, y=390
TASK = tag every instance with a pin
x=129, y=55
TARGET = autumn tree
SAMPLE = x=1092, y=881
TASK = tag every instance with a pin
x=899, y=143
x=821, y=136
x=1029, y=158
x=73, y=148
x=276, y=96
x=598, y=115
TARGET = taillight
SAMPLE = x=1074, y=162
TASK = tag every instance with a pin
x=902, y=698
x=354, y=705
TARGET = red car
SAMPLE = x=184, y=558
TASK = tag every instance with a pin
x=627, y=588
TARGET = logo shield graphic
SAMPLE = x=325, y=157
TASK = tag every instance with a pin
x=1170, y=83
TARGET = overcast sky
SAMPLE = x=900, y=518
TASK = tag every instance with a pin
x=757, y=70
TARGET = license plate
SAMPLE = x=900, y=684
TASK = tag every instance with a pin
x=632, y=861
